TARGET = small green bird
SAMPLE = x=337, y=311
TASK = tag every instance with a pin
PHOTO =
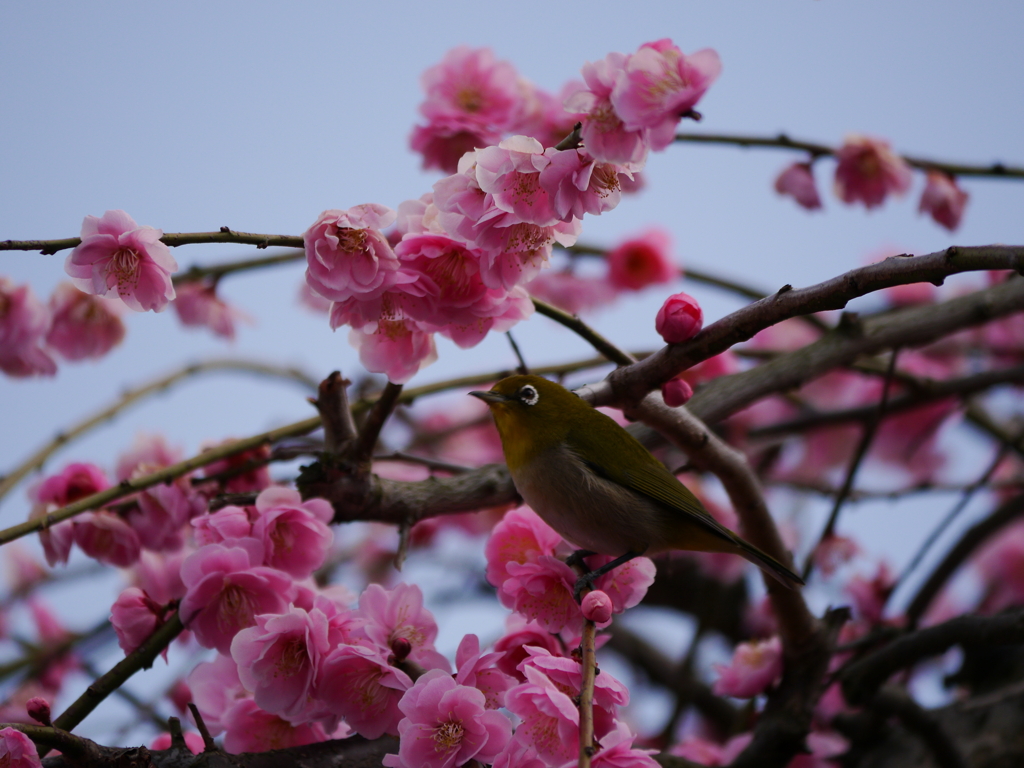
x=596, y=485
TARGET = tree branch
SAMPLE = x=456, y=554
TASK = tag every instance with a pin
x=173, y=239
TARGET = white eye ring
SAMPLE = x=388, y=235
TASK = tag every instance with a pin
x=528, y=395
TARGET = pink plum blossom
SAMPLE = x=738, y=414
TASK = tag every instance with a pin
x=254, y=478
x=159, y=575
x=1000, y=563
x=510, y=174
x=74, y=482
x=106, y=537
x=570, y=292
x=228, y=522
x=604, y=132
x=679, y=319
x=515, y=644
x=21, y=569
x=617, y=751
x=797, y=181
x=625, y=585
x=147, y=453
x=823, y=746
x=868, y=171
x=193, y=741
x=162, y=512
x=578, y=184
x=84, y=326
x=479, y=671
x=709, y=753
x=550, y=720
x=278, y=660
x=943, y=200
x=397, y=348
x=247, y=728
x=135, y=616
x=522, y=536
x=225, y=593
x=519, y=753
x=24, y=322
x=834, y=551
x=357, y=684
x=443, y=142
x=117, y=257
x=447, y=725
x=38, y=709
x=17, y=750
x=542, y=590
x=398, y=614
x=198, y=305
x=294, y=532
x=755, y=667
x=215, y=688
x=659, y=84
x=676, y=392
x=347, y=255
x=642, y=261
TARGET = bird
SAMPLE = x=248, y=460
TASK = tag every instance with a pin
x=597, y=486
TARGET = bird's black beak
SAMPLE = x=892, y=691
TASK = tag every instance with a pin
x=491, y=397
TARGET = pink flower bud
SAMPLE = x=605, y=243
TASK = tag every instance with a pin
x=676, y=392
x=38, y=709
x=679, y=319
x=597, y=607
x=401, y=647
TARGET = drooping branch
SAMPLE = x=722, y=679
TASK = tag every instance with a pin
x=630, y=384
x=782, y=141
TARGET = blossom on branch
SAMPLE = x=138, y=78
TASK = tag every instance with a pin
x=797, y=181
x=943, y=200
x=642, y=261
x=24, y=322
x=117, y=257
x=868, y=171
x=84, y=326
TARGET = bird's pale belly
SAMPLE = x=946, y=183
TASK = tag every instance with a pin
x=587, y=510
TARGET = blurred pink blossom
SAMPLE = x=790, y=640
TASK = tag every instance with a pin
x=834, y=551
x=228, y=522
x=74, y=482
x=108, y=538
x=659, y=84
x=570, y=292
x=84, y=326
x=519, y=636
x=193, y=741
x=247, y=728
x=676, y=392
x=479, y=671
x=254, y=478
x=447, y=725
x=642, y=261
x=294, y=532
x=755, y=667
x=522, y=536
x=117, y=257
x=148, y=452
x=198, y=305
x=550, y=720
x=38, y=709
x=24, y=322
x=709, y=753
x=943, y=200
x=17, y=750
x=679, y=319
x=357, y=684
x=443, y=142
x=797, y=181
x=868, y=171
x=617, y=751
x=215, y=688
x=135, y=616
x=869, y=595
x=1000, y=562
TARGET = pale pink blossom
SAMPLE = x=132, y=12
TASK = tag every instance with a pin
x=193, y=741
x=679, y=319
x=709, y=753
x=117, y=257
x=519, y=636
x=21, y=569
x=519, y=753
x=294, y=532
x=617, y=751
x=868, y=171
x=658, y=85
x=84, y=326
x=357, y=684
x=597, y=607
x=215, y=688
x=17, y=750
x=198, y=305
x=443, y=142
x=479, y=670
x=550, y=720
x=797, y=181
x=278, y=661
x=108, y=538
x=755, y=667
x=447, y=725
x=225, y=593
x=676, y=392
x=253, y=478
x=398, y=349
x=626, y=584
x=398, y=614
x=521, y=536
x=162, y=512
x=228, y=522
x=24, y=322
x=870, y=595
x=642, y=261
x=604, y=133
x=159, y=575
x=566, y=675
x=833, y=551
x=510, y=174
x=911, y=294
x=570, y=292
x=135, y=616
x=312, y=300
x=943, y=200
x=347, y=255
x=545, y=117
x=542, y=590
x=74, y=482
x=578, y=184
x=247, y=728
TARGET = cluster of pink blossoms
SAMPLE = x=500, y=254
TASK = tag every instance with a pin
x=459, y=257
x=868, y=171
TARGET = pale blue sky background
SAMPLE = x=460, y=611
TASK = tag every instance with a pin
x=258, y=116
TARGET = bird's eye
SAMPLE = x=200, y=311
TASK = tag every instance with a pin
x=528, y=395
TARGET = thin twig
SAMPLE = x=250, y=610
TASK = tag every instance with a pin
x=432, y=464
x=374, y=423
x=866, y=438
x=589, y=661
x=132, y=396
x=173, y=239
x=584, y=331
x=523, y=368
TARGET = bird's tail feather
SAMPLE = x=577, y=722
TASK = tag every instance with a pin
x=769, y=565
